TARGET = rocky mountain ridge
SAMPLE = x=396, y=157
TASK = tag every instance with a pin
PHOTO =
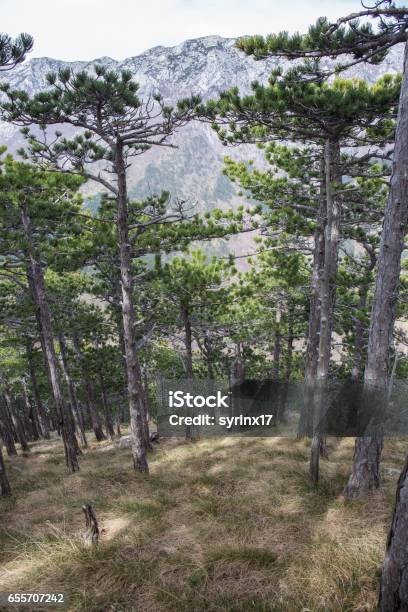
x=204, y=66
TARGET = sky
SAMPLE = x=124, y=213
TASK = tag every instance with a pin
x=88, y=29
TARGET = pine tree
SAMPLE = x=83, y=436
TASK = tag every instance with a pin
x=365, y=42
x=327, y=117
x=26, y=193
x=349, y=36
x=14, y=51
x=116, y=126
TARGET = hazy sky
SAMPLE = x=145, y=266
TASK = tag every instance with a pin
x=87, y=29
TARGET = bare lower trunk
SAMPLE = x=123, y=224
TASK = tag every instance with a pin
x=31, y=422
x=52, y=419
x=40, y=298
x=93, y=411
x=366, y=468
x=5, y=488
x=6, y=432
x=117, y=425
x=95, y=419
x=276, y=353
x=394, y=579
x=312, y=344
x=76, y=413
x=146, y=415
x=188, y=345
x=208, y=353
x=288, y=362
x=327, y=289
x=42, y=415
x=361, y=328
x=108, y=417
x=17, y=424
x=314, y=464
x=135, y=387
x=359, y=337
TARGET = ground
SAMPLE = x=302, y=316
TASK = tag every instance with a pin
x=221, y=525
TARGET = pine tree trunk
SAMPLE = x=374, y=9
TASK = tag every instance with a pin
x=275, y=374
x=188, y=342
x=276, y=353
x=42, y=415
x=288, y=362
x=31, y=423
x=76, y=413
x=93, y=411
x=121, y=409
x=108, y=417
x=146, y=414
x=17, y=424
x=6, y=432
x=135, y=387
x=52, y=416
x=359, y=337
x=96, y=422
x=24, y=410
x=394, y=579
x=5, y=488
x=366, y=467
x=188, y=345
x=68, y=434
x=312, y=344
x=327, y=291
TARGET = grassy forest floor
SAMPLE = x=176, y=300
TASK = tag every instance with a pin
x=223, y=525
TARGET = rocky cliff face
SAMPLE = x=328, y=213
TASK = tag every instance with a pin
x=204, y=66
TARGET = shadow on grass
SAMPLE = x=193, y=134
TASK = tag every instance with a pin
x=211, y=528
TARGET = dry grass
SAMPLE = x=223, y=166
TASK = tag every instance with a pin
x=219, y=525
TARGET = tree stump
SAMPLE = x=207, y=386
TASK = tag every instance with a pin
x=91, y=535
x=154, y=437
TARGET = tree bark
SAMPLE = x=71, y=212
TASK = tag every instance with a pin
x=108, y=417
x=42, y=415
x=90, y=395
x=31, y=419
x=4, y=481
x=91, y=536
x=312, y=344
x=327, y=290
x=6, y=432
x=93, y=411
x=288, y=362
x=68, y=434
x=367, y=456
x=361, y=329
x=146, y=415
x=134, y=381
x=276, y=353
x=394, y=579
x=76, y=413
x=17, y=424
x=359, y=337
x=188, y=344
x=51, y=419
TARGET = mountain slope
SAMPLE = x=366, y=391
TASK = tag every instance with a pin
x=203, y=66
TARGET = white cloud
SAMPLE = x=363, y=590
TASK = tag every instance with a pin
x=86, y=29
